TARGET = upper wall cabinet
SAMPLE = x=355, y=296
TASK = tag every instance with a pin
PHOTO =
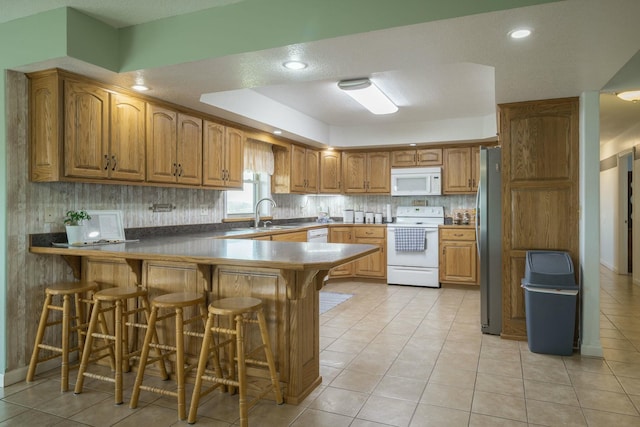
x=174, y=146
x=366, y=172
x=296, y=170
x=461, y=170
x=223, y=149
x=330, y=172
x=82, y=131
x=421, y=157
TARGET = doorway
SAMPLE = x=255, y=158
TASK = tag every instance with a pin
x=625, y=210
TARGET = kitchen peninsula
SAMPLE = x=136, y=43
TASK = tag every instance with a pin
x=285, y=275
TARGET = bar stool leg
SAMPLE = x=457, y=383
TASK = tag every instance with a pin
x=44, y=316
x=87, y=347
x=269, y=355
x=202, y=364
x=242, y=370
x=66, y=308
x=119, y=337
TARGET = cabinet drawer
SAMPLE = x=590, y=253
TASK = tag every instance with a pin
x=459, y=234
x=369, y=232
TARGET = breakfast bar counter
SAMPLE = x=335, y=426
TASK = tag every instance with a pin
x=285, y=275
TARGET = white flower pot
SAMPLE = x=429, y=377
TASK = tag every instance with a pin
x=76, y=234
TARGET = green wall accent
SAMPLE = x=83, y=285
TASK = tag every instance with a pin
x=92, y=41
x=254, y=25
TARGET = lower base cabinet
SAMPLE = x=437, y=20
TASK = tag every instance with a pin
x=372, y=266
x=458, y=261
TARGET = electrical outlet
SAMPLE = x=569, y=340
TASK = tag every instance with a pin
x=204, y=210
x=49, y=216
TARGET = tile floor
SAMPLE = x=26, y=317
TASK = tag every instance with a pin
x=403, y=356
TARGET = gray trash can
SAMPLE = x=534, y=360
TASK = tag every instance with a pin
x=550, y=296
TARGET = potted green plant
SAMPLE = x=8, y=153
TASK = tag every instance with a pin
x=74, y=223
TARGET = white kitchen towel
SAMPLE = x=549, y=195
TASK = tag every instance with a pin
x=410, y=239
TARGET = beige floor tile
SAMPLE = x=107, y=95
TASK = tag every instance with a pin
x=329, y=373
x=618, y=344
x=151, y=415
x=499, y=405
x=32, y=417
x=400, y=388
x=448, y=397
x=371, y=363
x=465, y=362
x=498, y=353
x=315, y=418
x=356, y=381
x=339, y=401
x=347, y=346
x=365, y=423
x=336, y=359
x=630, y=385
x=625, y=369
x=500, y=367
x=581, y=379
x=550, y=392
x=453, y=377
x=36, y=395
x=103, y=413
x=510, y=386
x=540, y=372
x=407, y=368
x=69, y=404
x=625, y=356
x=609, y=419
x=427, y=415
x=9, y=410
x=587, y=364
x=606, y=401
x=384, y=410
x=554, y=414
x=479, y=420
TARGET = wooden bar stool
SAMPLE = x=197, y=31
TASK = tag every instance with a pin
x=176, y=303
x=241, y=310
x=125, y=303
x=79, y=326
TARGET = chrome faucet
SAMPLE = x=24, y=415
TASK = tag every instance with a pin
x=257, y=216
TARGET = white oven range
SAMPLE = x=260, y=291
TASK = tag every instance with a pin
x=415, y=264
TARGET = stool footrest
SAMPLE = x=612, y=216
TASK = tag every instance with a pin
x=99, y=377
x=159, y=390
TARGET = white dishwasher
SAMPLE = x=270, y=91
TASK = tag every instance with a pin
x=318, y=235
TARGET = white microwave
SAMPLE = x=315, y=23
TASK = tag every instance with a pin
x=416, y=181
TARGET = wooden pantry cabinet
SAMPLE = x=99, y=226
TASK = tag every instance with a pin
x=366, y=172
x=174, y=146
x=223, y=150
x=81, y=130
x=461, y=172
x=421, y=157
x=458, y=261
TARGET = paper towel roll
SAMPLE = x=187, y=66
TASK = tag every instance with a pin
x=389, y=217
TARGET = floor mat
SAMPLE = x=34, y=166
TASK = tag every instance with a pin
x=329, y=300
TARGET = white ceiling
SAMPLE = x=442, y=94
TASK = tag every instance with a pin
x=447, y=76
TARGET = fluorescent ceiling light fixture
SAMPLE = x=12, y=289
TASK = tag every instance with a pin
x=520, y=33
x=277, y=132
x=368, y=95
x=139, y=87
x=294, y=65
x=412, y=145
x=629, y=95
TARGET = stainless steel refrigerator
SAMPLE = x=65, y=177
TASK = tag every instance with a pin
x=489, y=237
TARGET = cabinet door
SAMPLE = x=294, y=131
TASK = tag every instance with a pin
x=354, y=168
x=298, y=166
x=127, y=143
x=403, y=158
x=189, y=150
x=161, y=144
x=378, y=173
x=45, y=110
x=213, y=147
x=341, y=235
x=86, y=109
x=374, y=265
x=429, y=157
x=296, y=236
x=330, y=172
x=234, y=153
x=457, y=170
x=458, y=262
x=475, y=168
x=312, y=163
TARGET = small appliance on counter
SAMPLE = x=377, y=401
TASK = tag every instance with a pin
x=347, y=216
x=368, y=217
x=358, y=217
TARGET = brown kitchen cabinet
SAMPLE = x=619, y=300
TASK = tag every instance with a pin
x=458, y=261
x=461, y=170
x=374, y=265
x=223, y=152
x=81, y=130
x=418, y=157
x=296, y=170
x=366, y=172
x=341, y=235
x=174, y=146
x=330, y=172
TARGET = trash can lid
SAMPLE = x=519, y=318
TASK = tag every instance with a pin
x=553, y=269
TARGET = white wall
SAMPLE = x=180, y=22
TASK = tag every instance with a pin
x=608, y=215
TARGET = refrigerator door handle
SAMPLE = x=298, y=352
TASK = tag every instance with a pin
x=478, y=218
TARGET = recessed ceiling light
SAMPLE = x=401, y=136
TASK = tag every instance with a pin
x=412, y=145
x=294, y=65
x=277, y=132
x=520, y=33
x=139, y=88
